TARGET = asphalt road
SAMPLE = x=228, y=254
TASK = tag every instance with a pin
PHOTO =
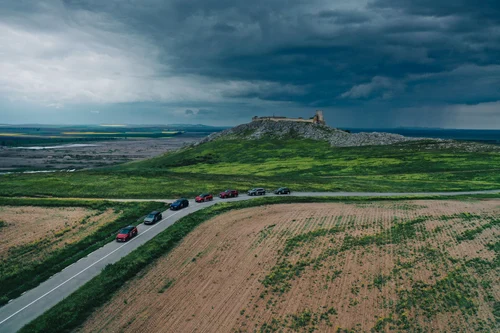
x=22, y=310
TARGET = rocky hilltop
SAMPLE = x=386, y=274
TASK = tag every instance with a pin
x=284, y=129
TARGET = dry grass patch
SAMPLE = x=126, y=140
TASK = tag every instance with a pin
x=29, y=233
x=391, y=266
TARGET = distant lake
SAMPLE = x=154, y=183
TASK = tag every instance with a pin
x=488, y=136
x=75, y=145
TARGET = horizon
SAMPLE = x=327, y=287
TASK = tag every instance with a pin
x=215, y=126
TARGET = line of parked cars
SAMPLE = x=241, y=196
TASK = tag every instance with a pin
x=130, y=232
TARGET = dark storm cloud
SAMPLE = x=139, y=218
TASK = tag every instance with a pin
x=223, y=27
x=485, y=9
x=393, y=55
x=344, y=17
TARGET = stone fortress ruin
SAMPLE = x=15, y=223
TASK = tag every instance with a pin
x=317, y=119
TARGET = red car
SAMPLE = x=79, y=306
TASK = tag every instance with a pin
x=228, y=194
x=126, y=234
x=204, y=197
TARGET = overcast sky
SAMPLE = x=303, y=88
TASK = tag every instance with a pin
x=378, y=63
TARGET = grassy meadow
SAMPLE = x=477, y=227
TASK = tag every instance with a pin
x=302, y=165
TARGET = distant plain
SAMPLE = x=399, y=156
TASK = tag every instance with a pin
x=43, y=147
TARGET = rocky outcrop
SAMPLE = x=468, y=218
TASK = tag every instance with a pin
x=280, y=130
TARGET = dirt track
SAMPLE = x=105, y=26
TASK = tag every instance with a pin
x=230, y=274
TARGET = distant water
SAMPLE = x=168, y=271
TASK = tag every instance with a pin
x=74, y=145
x=486, y=136
x=37, y=171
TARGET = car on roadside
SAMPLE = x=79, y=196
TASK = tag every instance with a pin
x=282, y=190
x=228, y=194
x=153, y=217
x=179, y=204
x=257, y=191
x=204, y=197
x=127, y=233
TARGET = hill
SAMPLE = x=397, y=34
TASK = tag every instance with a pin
x=284, y=130
x=273, y=155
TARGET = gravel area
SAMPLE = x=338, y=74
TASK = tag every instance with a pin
x=95, y=154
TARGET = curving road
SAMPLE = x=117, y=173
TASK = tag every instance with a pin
x=22, y=310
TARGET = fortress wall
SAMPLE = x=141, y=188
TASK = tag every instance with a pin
x=317, y=119
x=285, y=119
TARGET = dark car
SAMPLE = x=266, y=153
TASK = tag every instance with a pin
x=228, y=194
x=257, y=191
x=179, y=203
x=153, y=217
x=204, y=197
x=282, y=190
x=126, y=234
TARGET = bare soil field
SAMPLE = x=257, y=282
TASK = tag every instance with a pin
x=417, y=266
x=29, y=233
x=88, y=155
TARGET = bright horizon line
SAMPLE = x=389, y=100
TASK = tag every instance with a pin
x=160, y=125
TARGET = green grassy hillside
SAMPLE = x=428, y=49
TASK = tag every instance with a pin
x=300, y=164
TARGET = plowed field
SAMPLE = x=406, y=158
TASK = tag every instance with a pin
x=418, y=266
x=29, y=233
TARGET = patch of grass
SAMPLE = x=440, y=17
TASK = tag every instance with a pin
x=461, y=216
x=284, y=271
x=496, y=312
x=304, y=321
x=3, y=224
x=301, y=320
x=278, y=280
x=397, y=233
x=167, y=285
x=265, y=232
x=381, y=324
x=299, y=240
x=495, y=247
x=471, y=234
x=380, y=280
x=455, y=292
x=302, y=165
x=333, y=276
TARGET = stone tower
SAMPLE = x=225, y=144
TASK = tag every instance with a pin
x=318, y=118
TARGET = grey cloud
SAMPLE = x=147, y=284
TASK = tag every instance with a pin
x=486, y=9
x=344, y=16
x=223, y=27
x=378, y=87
